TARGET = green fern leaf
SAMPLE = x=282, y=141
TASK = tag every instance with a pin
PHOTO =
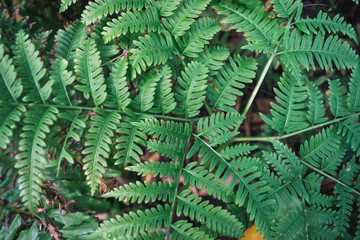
x=316, y=111
x=191, y=92
x=213, y=58
x=69, y=40
x=65, y=4
x=215, y=218
x=238, y=150
x=30, y=70
x=118, y=95
x=320, y=146
x=169, y=131
x=230, y=81
x=10, y=85
x=337, y=98
x=129, y=141
x=324, y=24
x=101, y=8
x=289, y=115
x=184, y=16
x=137, y=21
x=260, y=30
x=32, y=156
x=174, y=151
x=200, y=178
x=197, y=36
x=152, y=49
x=350, y=130
x=147, y=88
x=97, y=146
x=144, y=192
x=182, y=230
x=168, y=7
x=88, y=68
x=285, y=8
x=164, y=98
x=353, y=95
x=131, y=224
x=161, y=169
x=327, y=51
x=8, y=119
x=62, y=79
x=290, y=226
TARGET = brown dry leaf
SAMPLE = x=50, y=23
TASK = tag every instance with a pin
x=252, y=234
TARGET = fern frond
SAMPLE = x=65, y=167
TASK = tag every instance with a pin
x=320, y=216
x=182, y=230
x=200, y=178
x=129, y=141
x=337, y=98
x=327, y=52
x=10, y=85
x=65, y=4
x=169, y=131
x=260, y=30
x=133, y=223
x=88, y=68
x=152, y=49
x=184, y=16
x=32, y=157
x=230, y=81
x=62, y=78
x=136, y=21
x=290, y=226
x=147, y=88
x=238, y=150
x=324, y=24
x=174, y=151
x=319, y=199
x=285, y=8
x=289, y=115
x=118, y=95
x=197, y=36
x=144, y=192
x=350, y=130
x=97, y=146
x=164, y=98
x=353, y=95
x=213, y=58
x=8, y=119
x=320, y=146
x=168, y=7
x=215, y=218
x=191, y=92
x=316, y=111
x=161, y=169
x=101, y=8
x=68, y=40
x=30, y=70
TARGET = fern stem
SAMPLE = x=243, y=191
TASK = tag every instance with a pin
x=258, y=84
x=208, y=109
x=328, y=176
x=80, y=108
x=269, y=139
x=177, y=180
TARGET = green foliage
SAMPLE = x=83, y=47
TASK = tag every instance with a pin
x=149, y=99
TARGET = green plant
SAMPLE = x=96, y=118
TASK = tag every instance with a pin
x=147, y=81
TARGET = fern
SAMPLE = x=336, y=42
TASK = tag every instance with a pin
x=31, y=159
x=65, y=4
x=350, y=130
x=289, y=115
x=183, y=230
x=324, y=24
x=213, y=58
x=230, y=81
x=144, y=192
x=62, y=79
x=8, y=117
x=97, y=148
x=160, y=169
x=147, y=88
x=285, y=8
x=101, y=8
x=191, y=92
x=133, y=22
x=337, y=99
x=354, y=91
x=10, y=86
x=151, y=49
x=316, y=111
x=30, y=70
x=167, y=7
x=89, y=70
